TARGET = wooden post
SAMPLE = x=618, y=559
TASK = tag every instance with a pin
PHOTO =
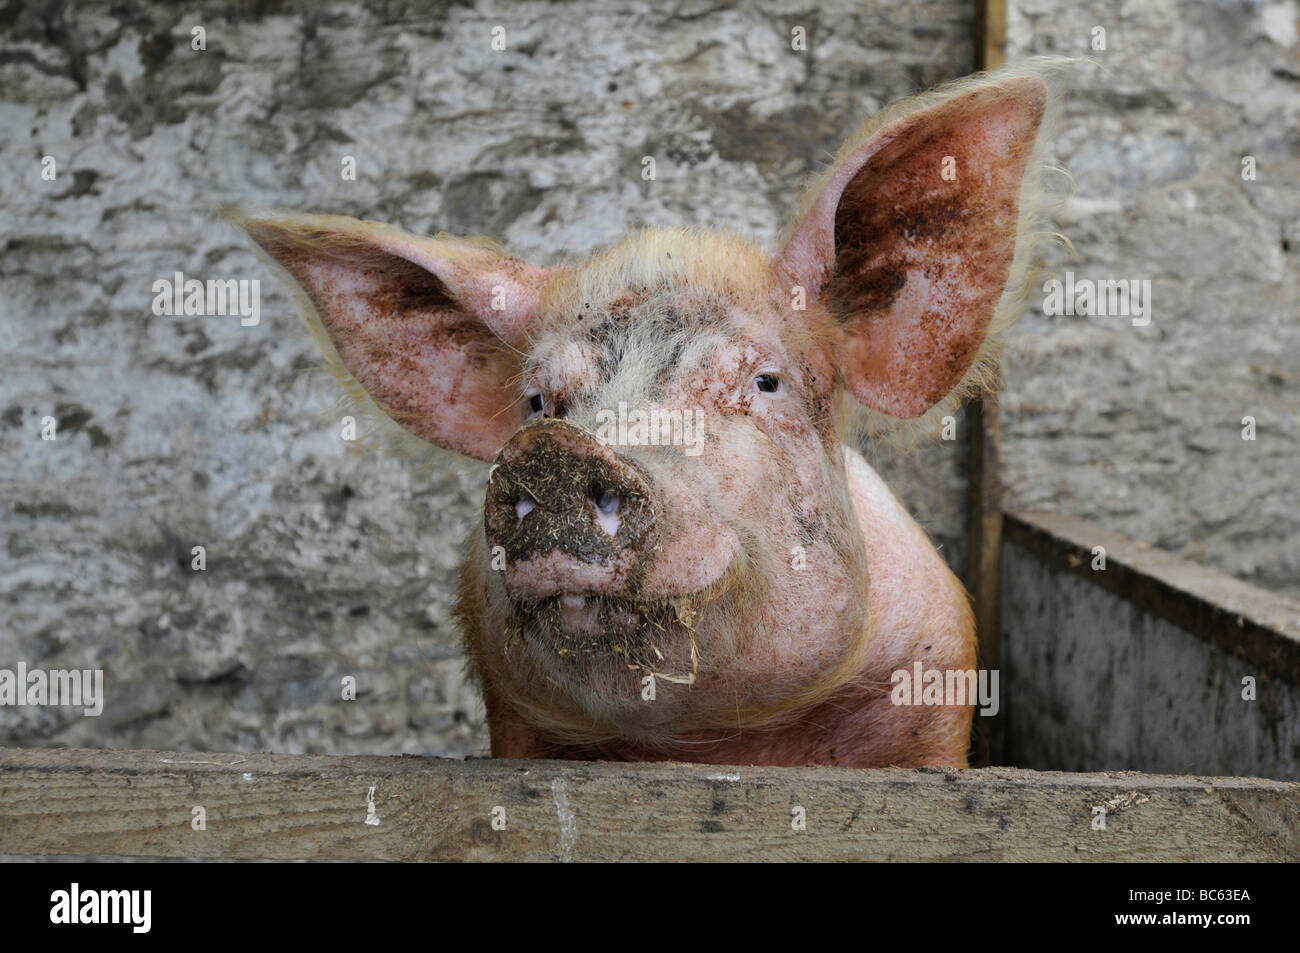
x=984, y=501
x=984, y=562
x=990, y=33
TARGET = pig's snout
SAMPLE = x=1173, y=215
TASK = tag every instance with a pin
x=572, y=515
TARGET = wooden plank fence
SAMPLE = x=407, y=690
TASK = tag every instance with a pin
x=143, y=803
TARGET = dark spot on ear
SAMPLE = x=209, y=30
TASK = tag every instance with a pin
x=402, y=286
x=856, y=289
x=931, y=219
x=421, y=291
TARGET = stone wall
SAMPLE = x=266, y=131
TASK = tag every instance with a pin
x=1140, y=428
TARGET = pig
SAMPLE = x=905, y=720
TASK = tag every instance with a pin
x=681, y=555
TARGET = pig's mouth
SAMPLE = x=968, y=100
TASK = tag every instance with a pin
x=655, y=636
x=602, y=638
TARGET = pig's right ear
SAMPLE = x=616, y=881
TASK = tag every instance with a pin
x=427, y=326
x=912, y=236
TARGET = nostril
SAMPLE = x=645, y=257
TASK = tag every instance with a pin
x=607, y=506
x=606, y=501
x=525, y=505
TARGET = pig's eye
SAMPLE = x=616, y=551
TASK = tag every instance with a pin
x=536, y=404
x=767, y=383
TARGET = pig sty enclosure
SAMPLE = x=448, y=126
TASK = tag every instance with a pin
x=1177, y=656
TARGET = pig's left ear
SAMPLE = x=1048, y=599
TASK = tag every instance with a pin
x=908, y=238
x=427, y=328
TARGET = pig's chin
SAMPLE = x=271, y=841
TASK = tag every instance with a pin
x=651, y=636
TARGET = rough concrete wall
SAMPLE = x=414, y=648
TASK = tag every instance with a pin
x=1139, y=428
x=176, y=432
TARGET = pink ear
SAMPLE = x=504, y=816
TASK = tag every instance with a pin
x=426, y=325
x=909, y=240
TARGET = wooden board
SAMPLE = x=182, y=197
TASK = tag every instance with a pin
x=1238, y=618
x=1098, y=681
x=287, y=806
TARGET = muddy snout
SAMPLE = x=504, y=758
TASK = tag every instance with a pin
x=572, y=515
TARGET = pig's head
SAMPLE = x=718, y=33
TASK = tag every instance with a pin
x=667, y=501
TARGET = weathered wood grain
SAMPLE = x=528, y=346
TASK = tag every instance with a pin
x=1238, y=618
x=1152, y=663
x=139, y=803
